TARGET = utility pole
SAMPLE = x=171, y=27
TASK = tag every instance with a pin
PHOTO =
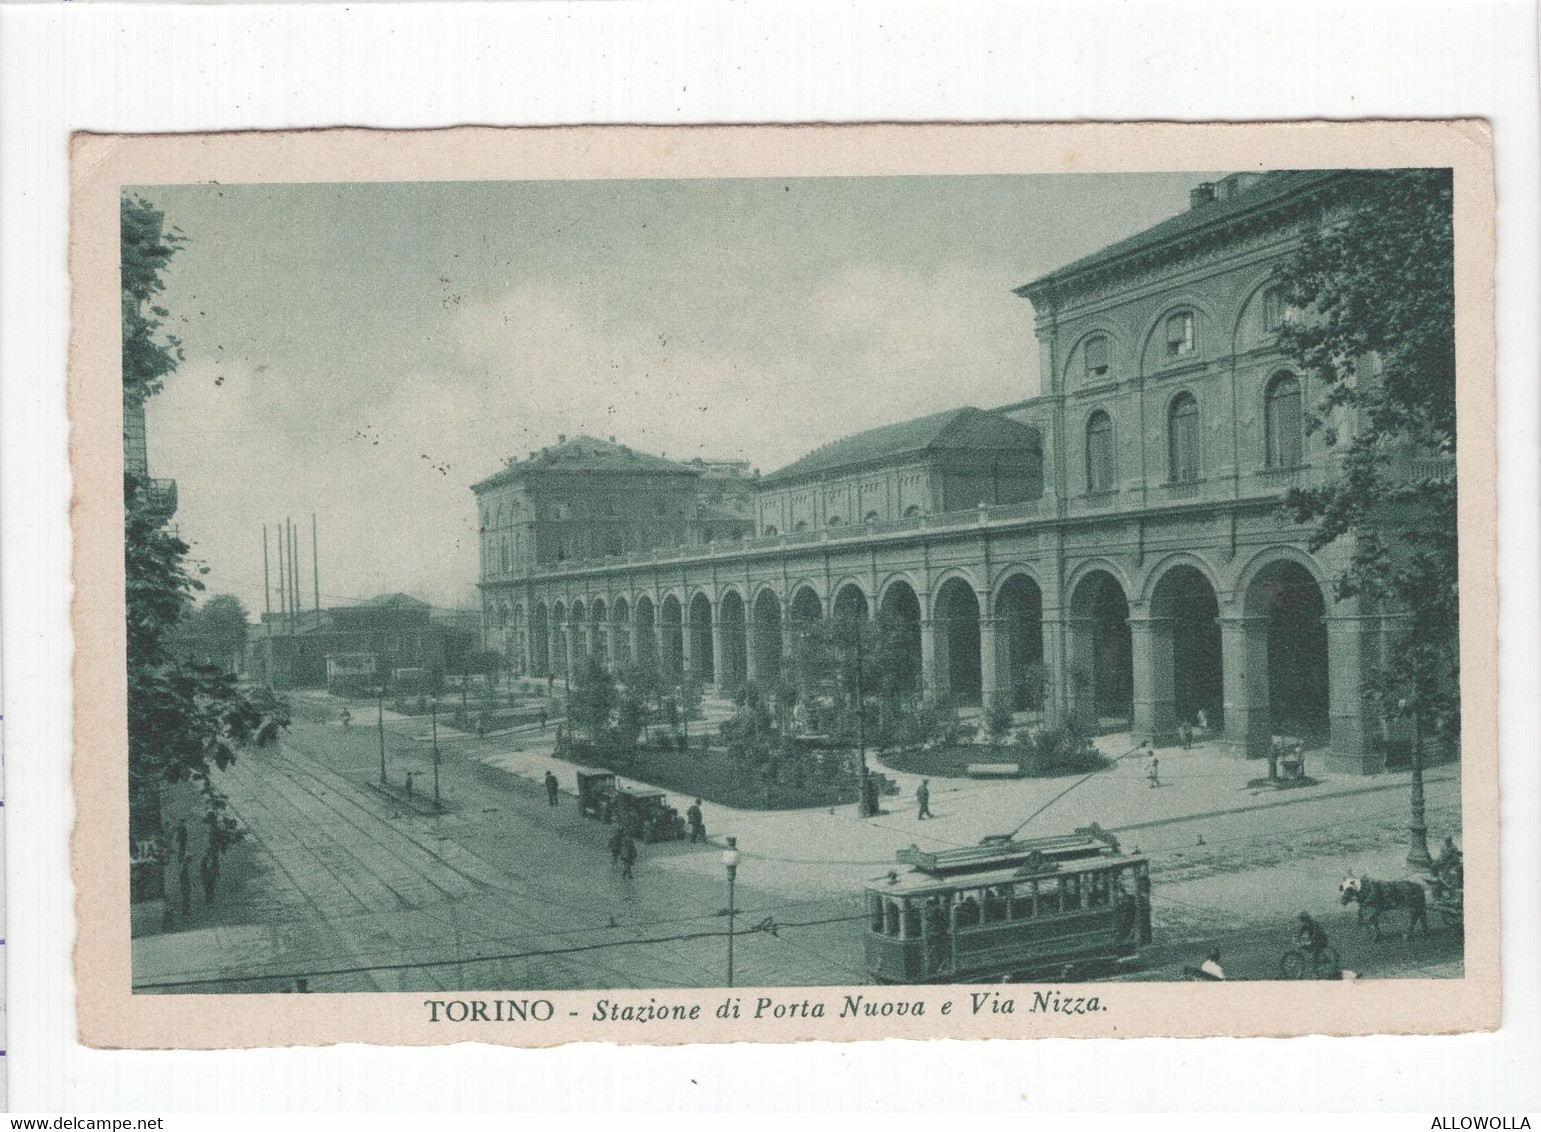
x=315, y=567
x=267, y=588
x=1417, y=827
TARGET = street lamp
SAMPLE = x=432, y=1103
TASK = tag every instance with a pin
x=434, y=717
x=730, y=862
x=1417, y=827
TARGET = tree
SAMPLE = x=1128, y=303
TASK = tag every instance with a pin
x=1376, y=296
x=185, y=720
x=594, y=699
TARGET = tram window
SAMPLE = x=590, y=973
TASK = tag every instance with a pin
x=1070, y=888
x=968, y=909
x=1022, y=899
x=875, y=911
x=1048, y=897
x=911, y=920
x=890, y=917
x=995, y=905
x=1098, y=896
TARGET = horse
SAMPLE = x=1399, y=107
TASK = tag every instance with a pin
x=1377, y=896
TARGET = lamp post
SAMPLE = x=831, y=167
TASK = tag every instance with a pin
x=1417, y=828
x=380, y=724
x=434, y=723
x=864, y=807
x=730, y=862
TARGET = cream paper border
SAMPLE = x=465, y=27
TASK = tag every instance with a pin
x=110, y=1016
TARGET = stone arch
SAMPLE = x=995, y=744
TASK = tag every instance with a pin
x=1284, y=617
x=620, y=631
x=1183, y=676
x=700, y=638
x=850, y=601
x=805, y=604
x=733, y=633
x=540, y=640
x=560, y=653
x=955, y=611
x=1019, y=666
x=899, y=611
x=672, y=637
x=599, y=638
x=766, y=651
x=1101, y=686
x=578, y=633
x=1241, y=331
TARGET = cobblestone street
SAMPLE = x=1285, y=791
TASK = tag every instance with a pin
x=353, y=888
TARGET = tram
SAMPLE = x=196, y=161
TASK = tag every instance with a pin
x=1006, y=908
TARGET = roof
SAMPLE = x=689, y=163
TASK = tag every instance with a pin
x=588, y=455
x=393, y=601
x=1268, y=189
x=965, y=428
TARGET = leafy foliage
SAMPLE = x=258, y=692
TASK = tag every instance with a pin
x=1376, y=292
x=594, y=698
x=184, y=720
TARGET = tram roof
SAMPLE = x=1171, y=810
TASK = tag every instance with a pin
x=921, y=883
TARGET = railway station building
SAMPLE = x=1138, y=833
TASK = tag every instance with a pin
x=1120, y=535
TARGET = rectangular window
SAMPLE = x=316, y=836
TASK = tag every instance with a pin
x=1097, y=357
x=1273, y=310
x=1179, y=334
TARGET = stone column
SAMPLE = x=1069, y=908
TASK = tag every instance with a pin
x=989, y=688
x=751, y=638
x=1054, y=694
x=1244, y=661
x=719, y=669
x=1080, y=679
x=685, y=635
x=529, y=644
x=1353, y=647
x=933, y=657
x=1155, y=701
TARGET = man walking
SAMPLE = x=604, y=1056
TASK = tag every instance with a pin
x=923, y=800
x=551, y=789
x=696, y=822
x=628, y=855
x=617, y=841
x=208, y=873
x=1153, y=770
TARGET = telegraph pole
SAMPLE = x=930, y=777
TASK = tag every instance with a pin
x=267, y=588
x=434, y=717
x=380, y=720
x=315, y=568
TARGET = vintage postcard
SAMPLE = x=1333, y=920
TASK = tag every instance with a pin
x=764, y=584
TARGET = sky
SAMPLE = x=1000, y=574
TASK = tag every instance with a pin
x=366, y=352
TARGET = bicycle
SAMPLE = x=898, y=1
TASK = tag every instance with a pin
x=1302, y=964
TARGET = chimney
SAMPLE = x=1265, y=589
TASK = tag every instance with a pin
x=1201, y=196
x=561, y=438
x=612, y=440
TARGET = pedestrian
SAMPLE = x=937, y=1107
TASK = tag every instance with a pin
x=696, y=821
x=347, y=719
x=185, y=882
x=1153, y=770
x=551, y=789
x=1203, y=718
x=542, y=721
x=923, y=800
x=181, y=838
x=628, y=855
x=208, y=873
x=1185, y=733
x=617, y=841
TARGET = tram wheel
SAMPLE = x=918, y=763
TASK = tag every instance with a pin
x=1293, y=965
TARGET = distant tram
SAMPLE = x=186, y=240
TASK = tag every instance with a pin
x=1005, y=908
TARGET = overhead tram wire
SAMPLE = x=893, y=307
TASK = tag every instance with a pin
x=769, y=925
x=1071, y=787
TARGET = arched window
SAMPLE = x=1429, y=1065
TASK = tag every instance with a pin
x=1182, y=429
x=802, y=525
x=1179, y=334
x=870, y=517
x=1095, y=353
x=912, y=510
x=771, y=530
x=507, y=563
x=1099, y=452
x=1282, y=421
x=833, y=521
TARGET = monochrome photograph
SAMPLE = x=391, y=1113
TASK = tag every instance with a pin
x=1042, y=583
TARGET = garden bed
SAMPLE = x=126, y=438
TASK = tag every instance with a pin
x=713, y=776
x=954, y=761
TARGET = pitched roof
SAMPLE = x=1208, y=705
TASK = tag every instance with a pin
x=1267, y=189
x=395, y=601
x=963, y=428
x=589, y=455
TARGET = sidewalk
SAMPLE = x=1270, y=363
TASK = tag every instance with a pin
x=832, y=847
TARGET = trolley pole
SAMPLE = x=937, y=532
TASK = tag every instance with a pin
x=433, y=716
x=380, y=722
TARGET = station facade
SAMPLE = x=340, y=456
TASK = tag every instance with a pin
x=1117, y=541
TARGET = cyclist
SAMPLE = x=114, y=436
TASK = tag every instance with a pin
x=1312, y=939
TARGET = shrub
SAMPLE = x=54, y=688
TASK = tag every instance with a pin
x=1059, y=749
